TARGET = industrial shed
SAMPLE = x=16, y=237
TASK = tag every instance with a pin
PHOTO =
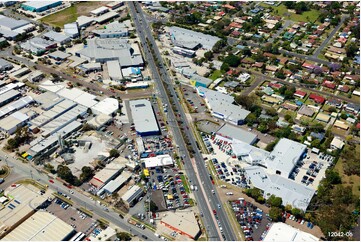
x=143, y=117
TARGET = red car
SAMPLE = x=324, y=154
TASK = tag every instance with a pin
x=51, y=181
x=214, y=212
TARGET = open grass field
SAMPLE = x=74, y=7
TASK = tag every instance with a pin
x=353, y=181
x=216, y=74
x=70, y=14
x=308, y=16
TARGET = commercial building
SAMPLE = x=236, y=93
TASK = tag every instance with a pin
x=35, y=76
x=115, y=5
x=24, y=200
x=143, y=117
x=337, y=143
x=234, y=134
x=42, y=226
x=40, y=6
x=103, y=50
x=192, y=40
x=248, y=153
x=114, y=185
x=8, y=97
x=292, y=193
x=183, y=222
x=48, y=100
x=222, y=107
x=200, y=81
x=10, y=28
x=79, y=96
x=90, y=67
x=109, y=172
x=132, y=73
x=184, y=52
x=136, y=85
x=284, y=232
x=59, y=55
x=15, y=106
x=114, y=70
x=131, y=196
x=100, y=121
x=158, y=161
x=99, y=11
x=112, y=30
x=5, y=65
x=71, y=30
x=12, y=122
x=57, y=37
x=106, y=17
x=108, y=106
x=38, y=46
x=84, y=21
x=284, y=157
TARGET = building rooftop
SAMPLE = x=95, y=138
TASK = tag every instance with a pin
x=201, y=79
x=39, y=4
x=184, y=221
x=223, y=104
x=5, y=63
x=160, y=160
x=113, y=185
x=57, y=37
x=285, y=156
x=108, y=172
x=8, y=95
x=143, y=116
x=22, y=102
x=284, y=232
x=42, y=226
x=237, y=134
x=132, y=193
x=59, y=54
x=7, y=23
x=100, y=10
x=114, y=70
x=107, y=106
x=190, y=39
x=105, y=17
x=28, y=198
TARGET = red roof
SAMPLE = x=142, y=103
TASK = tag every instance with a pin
x=221, y=13
x=308, y=65
x=329, y=84
x=358, y=125
x=235, y=25
x=228, y=6
x=344, y=88
x=317, y=99
x=275, y=85
x=300, y=93
x=236, y=33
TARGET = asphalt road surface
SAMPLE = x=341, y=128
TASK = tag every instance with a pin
x=206, y=201
x=25, y=170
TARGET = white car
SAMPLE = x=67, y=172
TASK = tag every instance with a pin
x=229, y=193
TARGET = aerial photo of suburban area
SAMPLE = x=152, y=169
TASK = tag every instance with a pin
x=180, y=121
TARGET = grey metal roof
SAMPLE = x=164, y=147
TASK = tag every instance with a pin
x=22, y=102
x=223, y=104
x=143, y=116
x=201, y=79
x=107, y=16
x=101, y=50
x=8, y=95
x=10, y=23
x=115, y=73
x=57, y=37
x=285, y=156
x=59, y=54
x=190, y=39
x=5, y=64
x=113, y=28
x=237, y=133
x=39, y=4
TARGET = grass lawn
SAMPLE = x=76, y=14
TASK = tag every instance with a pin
x=322, y=57
x=70, y=14
x=185, y=183
x=216, y=74
x=353, y=181
x=307, y=16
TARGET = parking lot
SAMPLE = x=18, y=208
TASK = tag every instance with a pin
x=79, y=221
x=192, y=98
x=169, y=181
x=312, y=169
x=253, y=221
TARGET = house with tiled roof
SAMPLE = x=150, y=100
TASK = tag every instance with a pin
x=343, y=88
x=317, y=98
x=300, y=94
x=329, y=84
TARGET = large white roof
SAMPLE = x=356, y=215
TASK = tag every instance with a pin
x=160, y=160
x=284, y=232
x=107, y=106
x=143, y=116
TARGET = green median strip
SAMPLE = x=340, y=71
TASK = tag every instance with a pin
x=185, y=183
x=86, y=211
x=234, y=223
x=63, y=198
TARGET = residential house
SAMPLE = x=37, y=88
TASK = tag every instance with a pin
x=317, y=99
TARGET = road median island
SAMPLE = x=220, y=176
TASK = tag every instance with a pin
x=86, y=211
x=63, y=198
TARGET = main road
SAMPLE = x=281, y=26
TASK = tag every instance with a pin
x=197, y=171
x=79, y=199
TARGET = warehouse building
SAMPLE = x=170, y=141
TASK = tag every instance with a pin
x=284, y=157
x=114, y=70
x=38, y=46
x=5, y=65
x=143, y=117
x=103, y=50
x=35, y=76
x=84, y=21
x=222, y=107
x=115, y=5
x=12, y=122
x=108, y=106
x=106, y=17
x=108, y=173
x=42, y=145
x=190, y=39
x=8, y=97
x=57, y=37
x=284, y=232
x=99, y=11
x=90, y=67
x=131, y=196
x=292, y=193
x=114, y=185
x=234, y=134
x=24, y=200
x=184, y=223
x=59, y=55
x=42, y=226
x=79, y=96
x=99, y=121
x=112, y=30
x=71, y=30
x=10, y=28
x=15, y=106
x=40, y=6
x=200, y=81
x=158, y=161
x=48, y=100
x=184, y=52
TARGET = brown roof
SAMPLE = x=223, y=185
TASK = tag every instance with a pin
x=258, y=64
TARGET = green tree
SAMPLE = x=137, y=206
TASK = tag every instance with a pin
x=225, y=67
x=296, y=212
x=275, y=214
x=274, y=201
x=232, y=60
x=87, y=173
x=124, y=236
x=208, y=55
x=113, y=153
x=57, y=29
